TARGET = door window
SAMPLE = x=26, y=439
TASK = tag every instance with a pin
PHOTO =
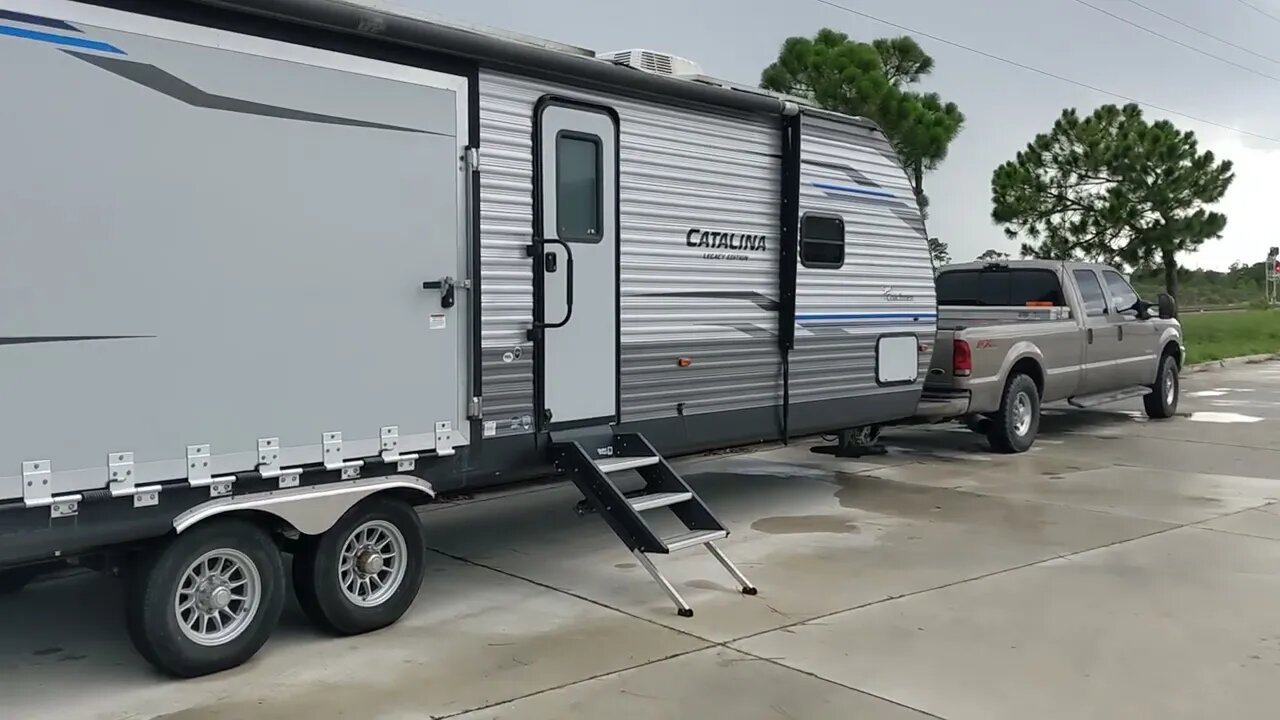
x=821, y=241
x=579, y=189
x=1095, y=302
x=1123, y=296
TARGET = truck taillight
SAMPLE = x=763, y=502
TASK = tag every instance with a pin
x=961, y=359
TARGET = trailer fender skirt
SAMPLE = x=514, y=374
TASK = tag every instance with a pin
x=310, y=510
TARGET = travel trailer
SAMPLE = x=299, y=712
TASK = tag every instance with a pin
x=275, y=271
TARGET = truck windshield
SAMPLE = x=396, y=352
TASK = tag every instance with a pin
x=1023, y=287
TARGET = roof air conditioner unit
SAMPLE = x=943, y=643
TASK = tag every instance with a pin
x=653, y=62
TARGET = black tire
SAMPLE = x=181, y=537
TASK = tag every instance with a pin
x=1011, y=431
x=1162, y=401
x=154, y=585
x=320, y=589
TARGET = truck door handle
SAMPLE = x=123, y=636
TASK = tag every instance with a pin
x=1089, y=334
x=445, y=286
x=1120, y=332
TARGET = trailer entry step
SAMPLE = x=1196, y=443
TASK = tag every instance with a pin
x=591, y=470
x=657, y=500
x=618, y=464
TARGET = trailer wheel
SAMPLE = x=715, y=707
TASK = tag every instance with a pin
x=207, y=600
x=364, y=573
x=1014, y=426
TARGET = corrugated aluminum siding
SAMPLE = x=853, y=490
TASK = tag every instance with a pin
x=679, y=170
x=682, y=170
x=886, y=283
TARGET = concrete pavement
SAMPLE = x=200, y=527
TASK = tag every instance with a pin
x=1122, y=569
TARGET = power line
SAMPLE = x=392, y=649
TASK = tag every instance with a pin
x=1257, y=9
x=1046, y=73
x=1176, y=41
x=1205, y=33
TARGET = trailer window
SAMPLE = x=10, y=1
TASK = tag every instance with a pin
x=1095, y=303
x=1000, y=287
x=579, y=187
x=822, y=241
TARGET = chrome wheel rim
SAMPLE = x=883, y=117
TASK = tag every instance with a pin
x=1021, y=414
x=372, y=564
x=1170, y=387
x=218, y=597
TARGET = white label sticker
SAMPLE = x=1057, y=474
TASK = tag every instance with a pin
x=491, y=428
x=437, y=322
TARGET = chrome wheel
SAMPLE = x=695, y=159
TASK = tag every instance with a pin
x=1021, y=414
x=217, y=598
x=1170, y=387
x=372, y=563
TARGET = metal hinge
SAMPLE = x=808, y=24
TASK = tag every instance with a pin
x=269, y=464
x=332, y=442
x=122, y=481
x=37, y=490
x=391, y=450
x=472, y=158
x=475, y=408
x=444, y=438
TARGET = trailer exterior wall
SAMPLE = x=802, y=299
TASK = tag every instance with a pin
x=230, y=246
x=885, y=285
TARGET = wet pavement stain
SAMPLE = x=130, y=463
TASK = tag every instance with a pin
x=802, y=524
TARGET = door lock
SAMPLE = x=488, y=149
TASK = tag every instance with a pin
x=549, y=262
x=445, y=286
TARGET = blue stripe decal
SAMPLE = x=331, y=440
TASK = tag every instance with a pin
x=853, y=189
x=37, y=20
x=59, y=39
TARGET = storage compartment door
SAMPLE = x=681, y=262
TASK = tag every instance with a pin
x=213, y=245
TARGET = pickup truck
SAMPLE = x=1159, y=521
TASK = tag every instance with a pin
x=1015, y=335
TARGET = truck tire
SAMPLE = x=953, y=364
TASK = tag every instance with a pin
x=364, y=573
x=1162, y=401
x=206, y=600
x=1015, y=424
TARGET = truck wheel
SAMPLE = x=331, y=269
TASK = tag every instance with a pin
x=207, y=600
x=1014, y=426
x=1162, y=401
x=364, y=573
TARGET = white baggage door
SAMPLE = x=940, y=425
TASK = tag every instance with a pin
x=576, y=263
x=230, y=246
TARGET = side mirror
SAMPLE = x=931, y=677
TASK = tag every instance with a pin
x=1168, y=306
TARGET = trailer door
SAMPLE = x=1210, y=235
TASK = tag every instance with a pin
x=576, y=264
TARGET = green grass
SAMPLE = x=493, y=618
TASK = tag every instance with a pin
x=1217, y=335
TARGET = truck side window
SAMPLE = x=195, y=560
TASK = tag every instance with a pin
x=1123, y=296
x=1095, y=303
x=821, y=241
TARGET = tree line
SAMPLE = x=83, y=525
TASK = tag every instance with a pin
x=1109, y=186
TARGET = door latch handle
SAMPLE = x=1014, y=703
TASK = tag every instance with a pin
x=1090, y=334
x=445, y=286
x=1120, y=332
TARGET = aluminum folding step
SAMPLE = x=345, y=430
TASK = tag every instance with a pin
x=656, y=500
x=592, y=472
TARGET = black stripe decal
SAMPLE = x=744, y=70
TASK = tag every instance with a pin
x=37, y=339
x=37, y=20
x=760, y=300
x=856, y=175
x=152, y=77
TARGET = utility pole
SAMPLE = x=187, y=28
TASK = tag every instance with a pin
x=1273, y=277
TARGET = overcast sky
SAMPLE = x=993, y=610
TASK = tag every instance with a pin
x=1005, y=106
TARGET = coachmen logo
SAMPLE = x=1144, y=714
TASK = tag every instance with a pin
x=714, y=240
